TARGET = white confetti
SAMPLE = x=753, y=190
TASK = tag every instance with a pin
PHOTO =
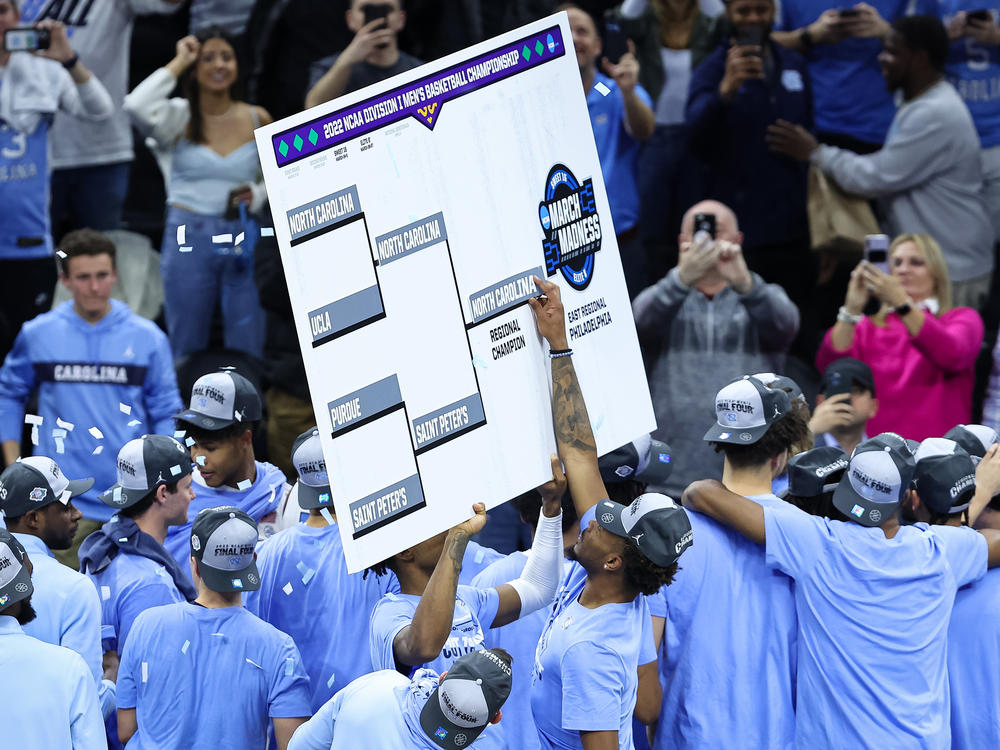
x=58, y=433
x=267, y=231
x=287, y=588
x=61, y=254
x=327, y=515
x=33, y=419
x=243, y=485
x=117, y=495
x=239, y=239
x=34, y=434
x=60, y=445
x=251, y=661
x=179, y=434
x=602, y=89
x=333, y=678
x=97, y=451
x=200, y=460
x=175, y=470
x=124, y=408
x=65, y=425
x=289, y=666
x=185, y=248
x=145, y=671
x=184, y=648
x=181, y=234
x=239, y=417
x=222, y=239
x=134, y=422
x=96, y=433
x=189, y=442
x=105, y=593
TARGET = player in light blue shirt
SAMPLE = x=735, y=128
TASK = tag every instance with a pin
x=873, y=599
x=305, y=589
x=433, y=620
x=36, y=500
x=50, y=701
x=585, y=681
x=207, y=673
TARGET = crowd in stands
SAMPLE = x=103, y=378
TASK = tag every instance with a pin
x=815, y=570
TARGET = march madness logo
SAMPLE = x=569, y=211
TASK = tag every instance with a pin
x=571, y=225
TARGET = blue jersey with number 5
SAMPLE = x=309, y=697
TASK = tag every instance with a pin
x=974, y=70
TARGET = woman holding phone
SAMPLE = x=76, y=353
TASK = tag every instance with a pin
x=922, y=351
x=204, y=144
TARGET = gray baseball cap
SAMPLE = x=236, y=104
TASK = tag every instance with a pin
x=975, y=438
x=220, y=399
x=34, y=482
x=469, y=696
x=223, y=541
x=945, y=475
x=143, y=465
x=15, y=580
x=314, y=484
x=878, y=477
x=745, y=410
x=654, y=523
x=644, y=459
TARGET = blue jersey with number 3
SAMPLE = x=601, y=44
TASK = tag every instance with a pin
x=24, y=192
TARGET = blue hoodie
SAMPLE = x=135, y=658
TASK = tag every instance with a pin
x=257, y=501
x=84, y=373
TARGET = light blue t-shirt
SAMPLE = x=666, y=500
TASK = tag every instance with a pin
x=873, y=620
x=974, y=70
x=129, y=585
x=306, y=592
x=208, y=679
x=475, y=560
x=728, y=665
x=475, y=610
x=618, y=151
x=584, y=676
x=973, y=658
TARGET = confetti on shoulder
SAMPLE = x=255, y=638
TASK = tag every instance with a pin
x=97, y=451
x=98, y=435
x=134, y=422
x=287, y=588
x=65, y=425
x=244, y=485
x=33, y=419
x=124, y=408
x=602, y=89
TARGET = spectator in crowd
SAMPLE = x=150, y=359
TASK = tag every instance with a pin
x=372, y=56
x=853, y=108
x=218, y=426
x=52, y=701
x=208, y=673
x=845, y=403
x=35, y=88
x=91, y=160
x=621, y=116
x=302, y=570
x=125, y=558
x=973, y=63
x=598, y=641
x=285, y=38
x=103, y=376
x=708, y=667
x=928, y=176
x=435, y=620
x=204, y=144
x=919, y=347
x=853, y=587
x=735, y=94
x=35, y=498
x=386, y=709
x=671, y=37
x=708, y=320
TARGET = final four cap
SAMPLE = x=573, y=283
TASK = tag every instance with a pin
x=34, y=482
x=841, y=375
x=975, y=438
x=744, y=410
x=813, y=472
x=15, y=580
x=314, y=484
x=143, y=465
x=469, y=696
x=945, y=477
x=223, y=541
x=644, y=459
x=878, y=477
x=654, y=523
x=220, y=399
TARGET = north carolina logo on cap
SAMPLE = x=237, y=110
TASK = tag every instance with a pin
x=623, y=471
x=38, y=494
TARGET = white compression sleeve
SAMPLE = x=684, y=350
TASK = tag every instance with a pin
x=539, y=580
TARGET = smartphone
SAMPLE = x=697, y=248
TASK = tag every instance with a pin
x=705, y=223
x=751, y=36
x=233, y=204
x=373, y=11
x=877, y=251
x=615, y=42
x=849, y=13
x=982, y=15
x=26, y=40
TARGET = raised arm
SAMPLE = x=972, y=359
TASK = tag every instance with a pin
x=574, y=436
x=422, y=640
x=735, y=511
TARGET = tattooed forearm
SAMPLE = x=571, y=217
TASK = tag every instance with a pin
x=572, y=424
x=456, y=550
